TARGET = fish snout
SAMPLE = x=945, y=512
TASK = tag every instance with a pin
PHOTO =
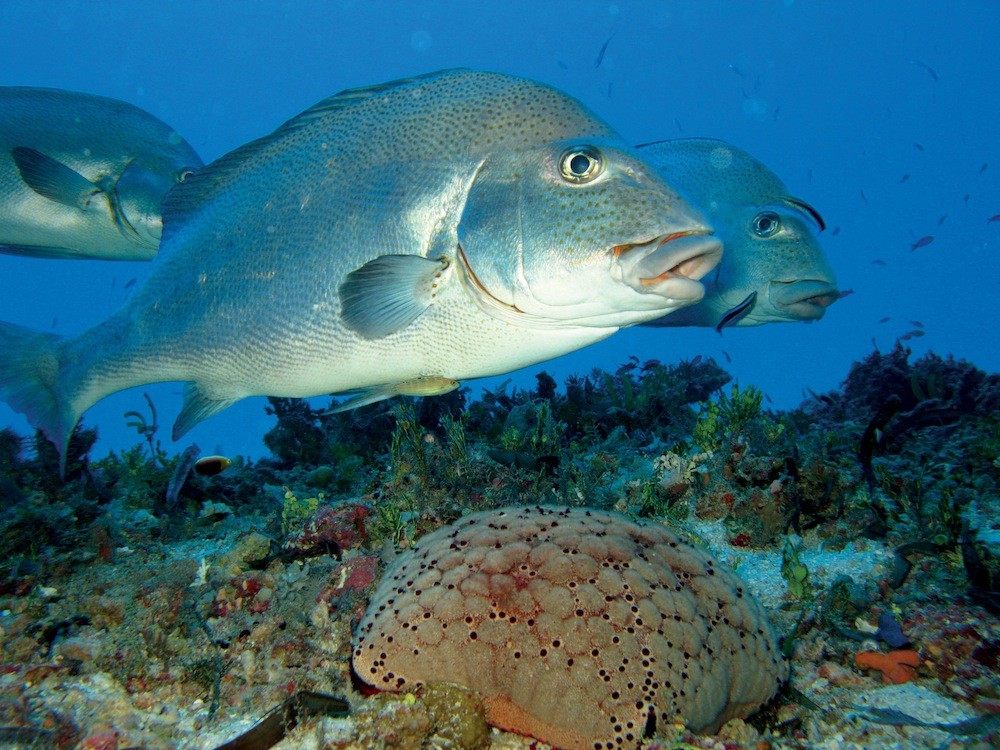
x=671, y=265
x=806, y=299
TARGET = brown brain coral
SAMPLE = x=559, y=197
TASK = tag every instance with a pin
x=578, y=627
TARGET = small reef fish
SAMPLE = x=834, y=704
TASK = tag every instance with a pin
x=84, y=176
x=454, y=225
x=930, y=71
x=773, y=268
x=922, y=242
x=603, y=51
x=209, y=466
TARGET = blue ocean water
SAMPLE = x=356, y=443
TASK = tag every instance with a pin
x=882, y=115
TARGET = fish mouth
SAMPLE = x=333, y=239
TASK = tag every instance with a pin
x=804, y=300
x=670, y=265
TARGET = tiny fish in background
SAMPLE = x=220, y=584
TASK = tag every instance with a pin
x=984, y=167
x=942, y=219
x=930, y=71
x=696, y=360
x=768, y=399
x=916, y=323
x=922, y=242
x=604, y=49
x=835, y=231
x=130, y=283
x=886, y=319
x=864, y=197
x=562, y=65
x=966, y=199
x=879, y=262
x=918, y=147
x=726, y=355
x=915, y=334
x=993, y=218
x=904, y=178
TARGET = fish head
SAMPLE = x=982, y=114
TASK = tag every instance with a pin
x=785, y=261
x=580, y=233
x=139, y=192
x=774, y=268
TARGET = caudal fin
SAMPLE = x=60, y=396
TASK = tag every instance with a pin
x=30, y=382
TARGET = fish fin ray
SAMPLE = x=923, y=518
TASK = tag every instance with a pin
x=388, y=293
x=428, y=386
x=52, y=179
x=30, y=383
x=186, y=198
x=198, y=406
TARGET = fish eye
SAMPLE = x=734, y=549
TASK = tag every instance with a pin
x=766, y=223
x=580, y=165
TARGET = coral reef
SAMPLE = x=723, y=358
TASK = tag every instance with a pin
x=145, y=602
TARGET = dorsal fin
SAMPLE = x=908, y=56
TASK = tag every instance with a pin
x=187, y=197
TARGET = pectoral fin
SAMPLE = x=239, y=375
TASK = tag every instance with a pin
x=388, y=293
x=197, y=406
x=53, y=179
x=429, y=386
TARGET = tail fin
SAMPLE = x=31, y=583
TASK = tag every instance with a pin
x=30, y=383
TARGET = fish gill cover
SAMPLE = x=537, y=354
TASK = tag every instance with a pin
x=160, y=594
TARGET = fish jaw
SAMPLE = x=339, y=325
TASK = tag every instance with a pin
x=670, y=266
x=805, y=299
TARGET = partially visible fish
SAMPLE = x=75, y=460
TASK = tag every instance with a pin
x=994, y=217
x=773, y=268
x=922, y=242
x=84, y=176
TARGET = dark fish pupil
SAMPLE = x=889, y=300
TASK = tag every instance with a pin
x=766, y=223
x=579, y=164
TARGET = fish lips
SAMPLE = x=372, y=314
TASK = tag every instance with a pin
x=806, y=299
x=671, y=265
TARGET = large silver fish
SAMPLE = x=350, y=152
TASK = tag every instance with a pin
x=394, y=239
x=773, y=268
x=83, y=176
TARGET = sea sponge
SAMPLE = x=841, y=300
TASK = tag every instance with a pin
x=578, y=627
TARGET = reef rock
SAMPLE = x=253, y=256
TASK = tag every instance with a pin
x=578, y=627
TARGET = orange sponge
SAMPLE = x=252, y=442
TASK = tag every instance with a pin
x=896, y=667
